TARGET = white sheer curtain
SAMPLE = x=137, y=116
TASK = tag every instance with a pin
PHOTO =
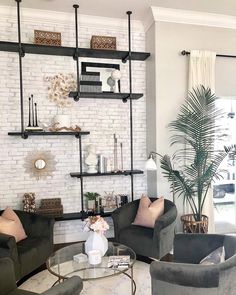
x=202, y=72
x=202, y=69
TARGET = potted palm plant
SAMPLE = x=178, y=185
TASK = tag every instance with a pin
x=193, y=167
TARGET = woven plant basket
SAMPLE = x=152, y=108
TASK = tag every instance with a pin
x=190, y=225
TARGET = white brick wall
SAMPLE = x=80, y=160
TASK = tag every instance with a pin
x=101, y=117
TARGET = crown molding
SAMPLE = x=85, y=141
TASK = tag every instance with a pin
x=67, y=19
x=161, y=14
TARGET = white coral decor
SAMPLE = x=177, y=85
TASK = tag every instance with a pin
x=60, y=87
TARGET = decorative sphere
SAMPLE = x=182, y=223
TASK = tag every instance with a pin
x=116, y=75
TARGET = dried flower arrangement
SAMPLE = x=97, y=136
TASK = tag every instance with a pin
x=96, y=224
x=61, y=85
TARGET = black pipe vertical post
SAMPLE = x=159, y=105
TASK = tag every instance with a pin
x=76, y=57
x=130, y=108
x=20, y=67
x=76, y=98
x=81, y=175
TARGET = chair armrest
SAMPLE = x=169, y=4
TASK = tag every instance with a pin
x=36, y=225
x=8, y=248
x=7, y=277
x=190, y=275
x=191, y=248
x=166, y=219
x=71, y=286
x=7, y=241
x=124, y=216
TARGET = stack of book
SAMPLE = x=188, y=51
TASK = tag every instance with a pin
x=51, y=208
x=120, y=261
x=90, y=82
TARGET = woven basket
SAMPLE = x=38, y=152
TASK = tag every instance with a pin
x=190, y=225
x=47, y=38
x=103, y=42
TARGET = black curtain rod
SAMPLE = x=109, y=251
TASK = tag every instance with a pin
x=184, y=52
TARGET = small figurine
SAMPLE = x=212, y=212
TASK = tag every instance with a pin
x=116, y=75
x=91, y=160
x=29, y=202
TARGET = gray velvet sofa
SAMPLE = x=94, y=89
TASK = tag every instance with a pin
x=27, y=255
x=145, y=241
x=185, y=276
x=72, y=286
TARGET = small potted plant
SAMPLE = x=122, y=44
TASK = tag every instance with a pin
x=91, y=200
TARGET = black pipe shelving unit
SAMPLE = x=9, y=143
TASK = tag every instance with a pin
x=111, y=173
x=80, y=215
x=76, y=53
x=70, y=51
x=26, y=134
x=106, y=95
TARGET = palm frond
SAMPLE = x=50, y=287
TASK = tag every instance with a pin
x=194, y=131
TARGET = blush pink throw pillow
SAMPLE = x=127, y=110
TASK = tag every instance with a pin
x=10, y=224
x=149, y=212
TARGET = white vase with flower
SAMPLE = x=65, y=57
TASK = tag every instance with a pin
x=96, y=240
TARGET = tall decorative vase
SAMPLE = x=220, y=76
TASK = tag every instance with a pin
x=61, y=121
x=96, y=241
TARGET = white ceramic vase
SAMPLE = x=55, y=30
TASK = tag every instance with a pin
x=62, y=121
x=96, y=241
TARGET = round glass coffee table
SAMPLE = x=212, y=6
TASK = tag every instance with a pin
x=62, y=265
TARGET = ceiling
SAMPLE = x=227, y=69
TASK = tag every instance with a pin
x=117, y=8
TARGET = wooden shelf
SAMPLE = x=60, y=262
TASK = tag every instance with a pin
x=70, y=51
x=105, y=95
x=26, y=134
x=79, y=215
x=126, y=172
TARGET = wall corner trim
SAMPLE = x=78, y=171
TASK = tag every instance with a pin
x=161, y=14
x=148, y=19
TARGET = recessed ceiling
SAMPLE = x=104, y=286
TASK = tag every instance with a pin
x=117, y=8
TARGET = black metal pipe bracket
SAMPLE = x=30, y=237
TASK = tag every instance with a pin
x=78, y=135
x=125, y=99
x=24, y=135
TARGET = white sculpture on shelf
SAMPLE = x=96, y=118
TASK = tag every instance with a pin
x=116, y=75
x=91, y=159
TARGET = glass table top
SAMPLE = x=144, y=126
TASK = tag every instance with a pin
x=62, y=264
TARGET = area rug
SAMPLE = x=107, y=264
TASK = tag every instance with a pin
x=118, y=285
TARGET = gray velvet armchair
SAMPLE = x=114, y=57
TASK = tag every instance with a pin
x=145, y=241
x=27, y=255
x=72, y=286
x=185, y=276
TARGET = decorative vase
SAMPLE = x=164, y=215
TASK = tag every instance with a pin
x=96, y=241
x=62, y=121
x=91, y=205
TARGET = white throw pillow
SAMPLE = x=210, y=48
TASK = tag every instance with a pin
x=215, y=257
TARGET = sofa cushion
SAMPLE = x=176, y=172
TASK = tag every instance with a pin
x=133, y=234
x=148, y=211
x=10, y=224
